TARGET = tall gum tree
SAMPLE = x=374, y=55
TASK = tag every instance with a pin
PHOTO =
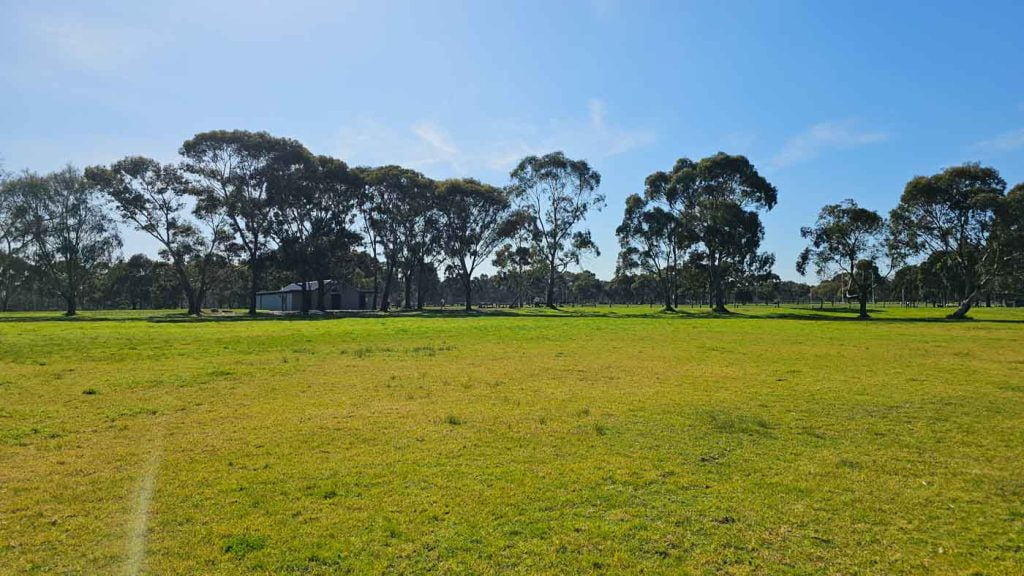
x=718, y=201
x=650, y=242
x=558, y=193
x=313, y=216
x=14, y=234
x=234, y=173
x=387, y=204
x=152, y=197
x=72, y=233
x=951, y=216
x=474, y=218
x=849, y=240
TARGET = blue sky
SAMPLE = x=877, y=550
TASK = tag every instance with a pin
x=830, y=100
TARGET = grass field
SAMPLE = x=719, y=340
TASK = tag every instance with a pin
x=615, y=441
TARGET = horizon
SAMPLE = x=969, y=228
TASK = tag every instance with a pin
x=828, y=102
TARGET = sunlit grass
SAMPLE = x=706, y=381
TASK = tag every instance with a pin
x=617, y=440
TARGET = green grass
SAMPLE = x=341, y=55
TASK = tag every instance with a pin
x=590, y=440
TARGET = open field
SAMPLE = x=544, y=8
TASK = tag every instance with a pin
x=775, y=441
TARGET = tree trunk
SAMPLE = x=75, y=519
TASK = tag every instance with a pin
x=407, y=301
x=72, y=302
x=716, y=289
x=468, y=284
x=551, y=287
x=304, y=303
x=385, y=299
x=863, y=298
x=193, y=305
x=253, y=280
x=965, y=306
x=376, y=282
x=421, y=295
x=320, y=295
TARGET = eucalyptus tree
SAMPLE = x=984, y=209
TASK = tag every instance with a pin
x=388, y=200
x=154, y=199
x=515, y=257
x=1010, y=230
x=651, y=243
x=718, y=201
x=369, y=222
x=421, y=239
x=953, y=215
x=14, y=234
x=234, y=173
x=558, y=193
x=71, y=231
x=313, y=215
x=473, y=220
x=850, y=241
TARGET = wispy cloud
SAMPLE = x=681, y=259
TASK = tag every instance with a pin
x=812, y=142
x=1005, y=142
x=89, y=45
x=427, y=145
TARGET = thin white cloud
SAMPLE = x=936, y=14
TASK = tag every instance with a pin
x=1005, y=142
x=810, y=143
x=597, y=113
x=737, y=142
x=427, y=145
x=435, y=137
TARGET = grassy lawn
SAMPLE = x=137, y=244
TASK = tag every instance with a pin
x=596, y=440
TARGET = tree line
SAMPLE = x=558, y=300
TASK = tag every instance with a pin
x=241, y=210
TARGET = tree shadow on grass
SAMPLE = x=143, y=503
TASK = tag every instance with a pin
x=834, y=315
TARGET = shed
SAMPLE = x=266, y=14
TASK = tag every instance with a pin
x=336, y=297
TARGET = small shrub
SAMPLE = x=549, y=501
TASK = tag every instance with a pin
x=601, y=429
x=454, y=420
x=730, y=423
x=90, y=391
x=243, y=544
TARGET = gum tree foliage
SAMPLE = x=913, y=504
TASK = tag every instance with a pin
x=850, y=241
x=152, y=197
x=421, y=240
x=72, y=233
x=14, y=234
x=558, y=193
x=651, y=242
x=313, y=215
x=368, y=221
x=515, y=258
x=473, y=219
x=717, y=201
x=234, y=173
x=954, y=214
x=1011, y=235
x=388, y=201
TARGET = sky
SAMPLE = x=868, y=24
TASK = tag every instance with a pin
x=830, y=100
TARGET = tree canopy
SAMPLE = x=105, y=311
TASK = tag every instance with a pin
x=558, y=193
x=953, y=214
x=849, y=240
